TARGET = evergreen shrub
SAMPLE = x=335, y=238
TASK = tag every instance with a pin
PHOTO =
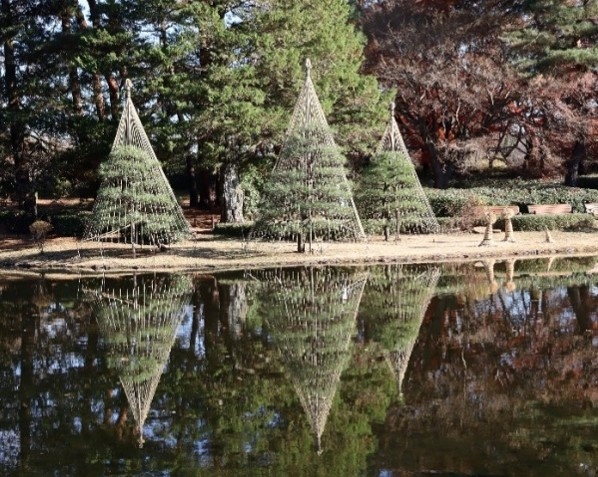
x=452, y=202
x=70, y=224
x=567, y=222
x=233, y=229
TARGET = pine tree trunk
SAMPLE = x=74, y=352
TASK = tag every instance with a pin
x=233, y=307
x=193, y=190
x=441, y=171
x=574, y=163
x=232, y=194
x=206, y=182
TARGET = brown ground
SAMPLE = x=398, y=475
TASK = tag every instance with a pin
x=207, y=252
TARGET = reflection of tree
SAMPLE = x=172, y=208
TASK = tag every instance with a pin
x=311, y=314
x=139, y=324
x=395, y=302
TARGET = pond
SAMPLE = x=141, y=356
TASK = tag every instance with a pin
x=455, y=369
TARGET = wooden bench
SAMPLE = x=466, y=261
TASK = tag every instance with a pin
x=495, y=209
x=550, y=209
x=591, y=208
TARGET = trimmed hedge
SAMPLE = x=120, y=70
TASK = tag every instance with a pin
x=15, y=222
x=452, y=202
x=64, y=223
x=233, y=230
x=566, y=222
x=70, y=224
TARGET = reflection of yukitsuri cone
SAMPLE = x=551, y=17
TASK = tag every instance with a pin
x=548, y=236
x=489, y=269
x=510, y=269
x=139, y=328
x=410, y=298
x=312, y=315
x=488, y=238
x=507, y=214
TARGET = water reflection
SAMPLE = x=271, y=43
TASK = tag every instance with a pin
x=396, y=300
x=241, y=373
x=138, y=319
x=311, y=316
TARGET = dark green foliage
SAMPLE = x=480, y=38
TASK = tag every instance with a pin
x=70, y=224
x=556, y=36
x=15, y=221
x=134, y=200
x=307, y=192
x=233, y=230
x=566, y=222
x=450, y=202
x=388, y=188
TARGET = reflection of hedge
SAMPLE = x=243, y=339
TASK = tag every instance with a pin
x=452, y=278
x=557, y=264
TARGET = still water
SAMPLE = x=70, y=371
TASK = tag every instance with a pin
x=487, y=368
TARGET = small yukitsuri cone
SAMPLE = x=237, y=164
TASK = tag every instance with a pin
x=488, y=239
x=507, y=214
x=548, y=236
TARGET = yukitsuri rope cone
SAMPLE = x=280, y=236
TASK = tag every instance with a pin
x=488, y=233
x=390, y=193
x=395, y=301
x=507, y=215
x=307, y=196
x=135, y=203
x=138, y=322
x=311, y=313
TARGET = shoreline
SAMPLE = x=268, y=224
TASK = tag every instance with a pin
x=209, y=254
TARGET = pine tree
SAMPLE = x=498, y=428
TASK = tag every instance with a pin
x=552, y=37
x=389, y=192
x=132, y=202
x=135, y=203
x=307, y=194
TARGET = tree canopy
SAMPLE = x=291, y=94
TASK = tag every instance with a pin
x=509, y=82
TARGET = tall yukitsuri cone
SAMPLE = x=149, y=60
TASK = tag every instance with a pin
x=395, y=301
x=138, y=322
x=308, y=196
x=311, y=313
x=390, y=195
x=135, y=203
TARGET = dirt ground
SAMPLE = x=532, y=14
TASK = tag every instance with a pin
x=208, y=253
